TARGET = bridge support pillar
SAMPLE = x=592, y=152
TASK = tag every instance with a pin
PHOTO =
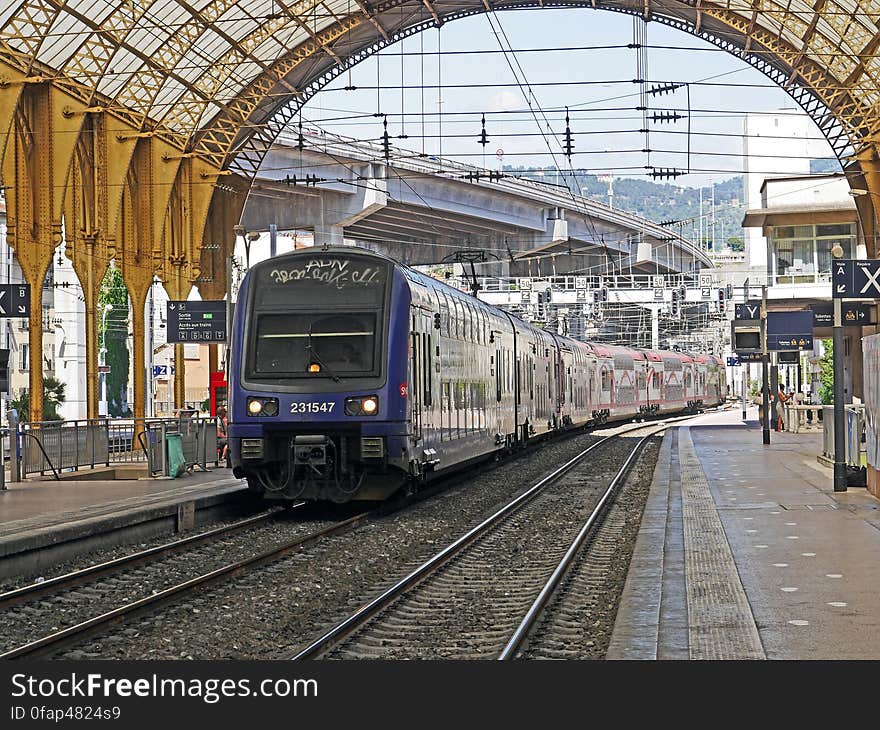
x=330, y=236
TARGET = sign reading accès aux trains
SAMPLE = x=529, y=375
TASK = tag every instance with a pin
x=198, y=322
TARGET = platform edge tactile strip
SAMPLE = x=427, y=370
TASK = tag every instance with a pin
x=721, y=624
x=636, y=626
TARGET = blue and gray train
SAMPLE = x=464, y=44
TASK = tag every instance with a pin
x=352, y=376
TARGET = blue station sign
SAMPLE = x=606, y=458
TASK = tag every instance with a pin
x=788, y=331
x=198, y=322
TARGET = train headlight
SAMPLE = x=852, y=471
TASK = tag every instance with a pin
x=262, y=406
x=362, y=406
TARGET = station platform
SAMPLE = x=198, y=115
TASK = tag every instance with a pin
x=44, y=521
x=746, y=552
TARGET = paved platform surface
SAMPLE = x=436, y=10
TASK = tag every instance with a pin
x=746, y=552
x=36, y=513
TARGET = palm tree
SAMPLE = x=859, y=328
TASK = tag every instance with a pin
x=53, y=397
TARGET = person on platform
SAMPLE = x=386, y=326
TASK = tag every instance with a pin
x=781, y=400
x=222, y=434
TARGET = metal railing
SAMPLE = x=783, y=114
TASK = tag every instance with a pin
x=854, y=415
x=56, y=446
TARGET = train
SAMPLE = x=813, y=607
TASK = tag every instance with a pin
x=352, y=377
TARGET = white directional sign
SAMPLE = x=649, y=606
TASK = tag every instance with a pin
x=15, y=300
x=855, y=279
x=658, y=295
x=706, y=292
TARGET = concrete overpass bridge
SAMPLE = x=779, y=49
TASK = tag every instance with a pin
x=422, y=209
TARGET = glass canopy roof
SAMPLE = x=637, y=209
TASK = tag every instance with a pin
x=178, y=63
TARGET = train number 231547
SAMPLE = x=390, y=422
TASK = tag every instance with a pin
x=312, y=407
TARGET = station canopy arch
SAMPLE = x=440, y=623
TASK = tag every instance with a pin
x=220, y=78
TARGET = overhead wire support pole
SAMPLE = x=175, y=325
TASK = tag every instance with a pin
x=839, y=414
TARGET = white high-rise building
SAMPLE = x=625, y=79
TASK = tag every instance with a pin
x=778, y=144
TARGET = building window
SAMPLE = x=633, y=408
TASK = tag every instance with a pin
x=802, y=252
x=23, y=361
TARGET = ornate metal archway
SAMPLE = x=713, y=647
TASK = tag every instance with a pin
x=139, y=123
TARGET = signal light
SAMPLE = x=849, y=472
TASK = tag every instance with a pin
x=314, y=367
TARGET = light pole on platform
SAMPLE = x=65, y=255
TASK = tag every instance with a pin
x=103, y=411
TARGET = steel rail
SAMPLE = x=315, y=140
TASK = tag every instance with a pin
x=333, y=636
x=59, y=639
x=78, y=577
x=537, y=607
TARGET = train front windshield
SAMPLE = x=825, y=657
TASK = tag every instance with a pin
x=318, y=317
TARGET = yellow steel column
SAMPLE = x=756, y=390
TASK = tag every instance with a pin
x=45, y=128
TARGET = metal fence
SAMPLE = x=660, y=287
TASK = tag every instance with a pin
x=56, y=446
x=854, y=415
x=198, y=437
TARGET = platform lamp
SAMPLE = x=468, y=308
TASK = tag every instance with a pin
x=839, y=424
x=108, y=307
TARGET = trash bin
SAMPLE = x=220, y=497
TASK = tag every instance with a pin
x=174, y=460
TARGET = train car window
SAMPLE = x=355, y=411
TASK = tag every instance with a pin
x=289, y=344
x=497, y=376
x=444, y=313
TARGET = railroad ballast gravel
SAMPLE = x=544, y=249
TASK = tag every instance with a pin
x=270, y=613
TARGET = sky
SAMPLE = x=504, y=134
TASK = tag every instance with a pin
x=522, y=126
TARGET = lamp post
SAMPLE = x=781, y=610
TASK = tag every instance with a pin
x=839, y=424
x=103, y=410
x=765, y=360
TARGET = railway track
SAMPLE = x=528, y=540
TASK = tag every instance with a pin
x=48, y=617
x=483, y=594
x=105, y=583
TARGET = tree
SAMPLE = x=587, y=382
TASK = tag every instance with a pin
x=114, y=337
x=826, y=389
x=53, y=396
